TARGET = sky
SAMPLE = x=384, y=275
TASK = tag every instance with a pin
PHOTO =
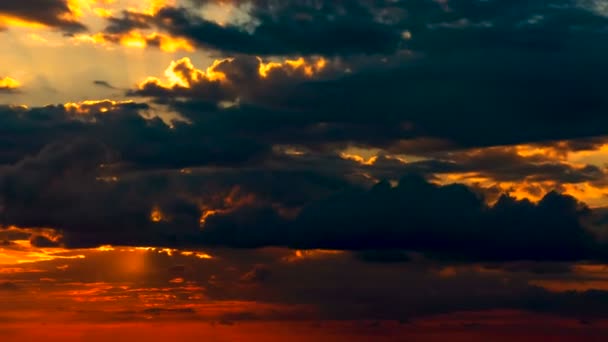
x=265, y=170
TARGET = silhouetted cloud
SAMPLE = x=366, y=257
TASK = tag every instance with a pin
x=52, y=13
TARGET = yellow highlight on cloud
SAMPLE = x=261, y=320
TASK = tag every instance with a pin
x=310, y=69
x=184, y=74
x=87, y=106
x=138, y=40
x=10, y=21
x=9, y=83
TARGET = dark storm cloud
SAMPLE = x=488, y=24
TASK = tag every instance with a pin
x=447, y=221
x=120, y=126
x=277, y=28
x=467, y=98
x=498, y=164
x=82, y=156
x=47, y=12
x=475, y=76
x=286, y=29
x=349, y=28
x=74, y=169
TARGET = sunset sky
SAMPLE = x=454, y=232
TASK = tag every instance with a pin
x=305, y=170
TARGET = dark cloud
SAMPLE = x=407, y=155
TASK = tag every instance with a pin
x=473, y=97
x=444, y=221
x=300, y=27
x=43, y=241
x=264, y=156
x=468, y=75
x=75, y=171
x=103, y=84
x=53, y=13
x=333, y=28
x=259, y=274
x=501, y=164
x=128, y=22
x=384, y=256
x=120, y=125
x=8, y=286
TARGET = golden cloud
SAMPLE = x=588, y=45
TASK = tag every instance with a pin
x=183, y=74
x=107, y=8
x=88, y=106
x=9, y=83
x=137, y=40
x=12, y=21
x=292, y=65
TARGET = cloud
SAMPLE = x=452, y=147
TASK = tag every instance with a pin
x=476, y=96
x=437, y=103
x=136, y=39
x=103, y=84
x=261, y=29
x=441, y=221
x=8, y=286
x=9, y=85
x=56, y=14
x=360, y=160
x=381, y=28
x=449, y=221
x=225, y=183
x=232, y=80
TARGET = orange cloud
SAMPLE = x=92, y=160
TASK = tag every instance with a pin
x=300, y=255
x=359, y=159
x=221, y=203
x=224, y=204
x=21, y=251
x=586, y=277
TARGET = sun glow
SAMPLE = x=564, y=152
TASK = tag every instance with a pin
x=9, y=83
